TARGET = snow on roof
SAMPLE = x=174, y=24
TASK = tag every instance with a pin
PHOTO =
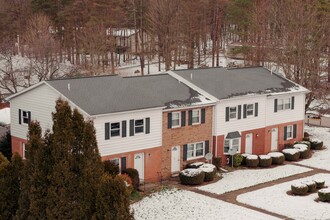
x=121, y=32
x=5, y=115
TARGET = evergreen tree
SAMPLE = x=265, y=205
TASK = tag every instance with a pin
x=10, y=186
x=5, y=145
x=112, y=200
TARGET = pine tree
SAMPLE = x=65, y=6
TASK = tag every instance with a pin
x=5, y=145
x=10, y=187
x=112, y=200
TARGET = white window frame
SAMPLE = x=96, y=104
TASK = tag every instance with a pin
x=251, y=110
x=26, y=117
x=285, y=103
x=194, y=150
x=231, y=145
x=230, y=113
x=23, y=150
x=199, y=116
x=114, y=136
x=116, y=159
x=143, y=126
x=289, y=132
x=179, y=118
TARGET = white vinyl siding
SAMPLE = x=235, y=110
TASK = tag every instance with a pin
x=289, y=115
x=40, y=101
x=129, y=143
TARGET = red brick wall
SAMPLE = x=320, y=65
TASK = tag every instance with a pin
x=152, y=162
x=258, y=141
x=16, y=145
x=184, y=135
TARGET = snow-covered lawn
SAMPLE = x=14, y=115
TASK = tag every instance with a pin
x=181, y=204
x=320, y=159
x=249, y=177
x=276, y=199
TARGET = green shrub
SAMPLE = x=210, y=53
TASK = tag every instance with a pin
x=134, y=174
x=303, y=150
x=299, y=189
x=194, y=165
x=319, y=183
x=311, y=185
x=265, y=161
x=306, y=139
x=306, y=134
x=217, y=162
x=244, y=156
x=191, y=176
x=210, y=171
x=278, y=158
x=110, y=167
x=237, y=158
x=252, y=161
x=324, y=195
x=317, y=144
x=291, y=154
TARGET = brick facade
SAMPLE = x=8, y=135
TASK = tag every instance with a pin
x=152, y=162
x=184, y=135
x=17, y=145
x=261, y=143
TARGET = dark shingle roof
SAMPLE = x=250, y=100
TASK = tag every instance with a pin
x=109, y=94
x=225, y=83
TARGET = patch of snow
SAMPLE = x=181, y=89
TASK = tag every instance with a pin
x=197, y=164
x=320, y=159
x=275, y=154
x=5, y=116
x=275, y=199
x=207, y=168
x=290, y=151
x=300, y=146
x=252, y=157
x=299, y=185
x=316, y=141
x=180, y=205
x=191, y=172
x=309, y=182
x=264, y=157
x=319, y=181
x=326, y=190
x=233, y=180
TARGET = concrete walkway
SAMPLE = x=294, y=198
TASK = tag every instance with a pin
x=231, y=197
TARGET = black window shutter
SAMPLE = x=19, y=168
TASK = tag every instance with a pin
x=256, y=109
x=244, y=111
x=123, y=163
x=131, y=127
x=169, y=120
x=292, y=102
x=184, y=152
x=227, y=113
x=285, y=132
x=203, y=116
x=19, y=116
x=123, y=128
x=147, y=125
x=190, y=117
x=183, y=118
x=107, y=131
x=275, y=105
x=294, y=130
x=239, y=112
x=29, y=119
x=207, y=148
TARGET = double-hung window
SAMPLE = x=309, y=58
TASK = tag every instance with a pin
x=232, y=112
x=24, y=117
x=196, y=116
x=139, y=126
x=232, y=144
x=283, y=104
x=115, y=129
x=249, y=110
x=195, y=150
x=280, y=105
x=176, y=118
x=289, y=132
x=287, y=103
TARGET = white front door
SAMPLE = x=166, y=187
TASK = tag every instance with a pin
x=274, y=139
x=248, y=143
x=139, y=165
x=175, y=159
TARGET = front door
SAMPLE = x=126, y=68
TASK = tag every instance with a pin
x=248, y=143
x=274, y=139
x=175, y=159
x=139, y=165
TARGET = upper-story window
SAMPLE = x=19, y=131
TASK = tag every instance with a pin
x=176, y=118
x=283, y=104
x=24, y=117
x=139, y=126
x=196, y=116
x=232, y=112
x=249, y=110
x=115, y=129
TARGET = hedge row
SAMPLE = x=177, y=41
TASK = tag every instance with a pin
x=197, y=173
